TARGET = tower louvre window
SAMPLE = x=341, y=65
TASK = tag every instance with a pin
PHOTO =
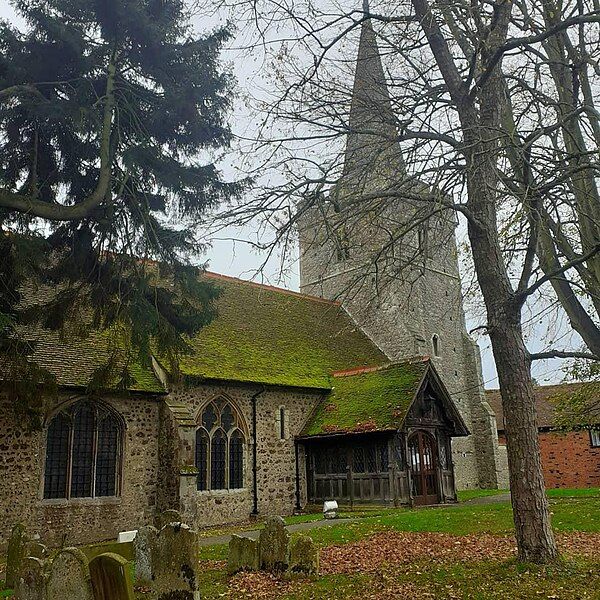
x=435, y=344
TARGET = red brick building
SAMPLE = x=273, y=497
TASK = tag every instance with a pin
x=570, y=459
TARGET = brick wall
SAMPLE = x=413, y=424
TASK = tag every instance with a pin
x=569, y=461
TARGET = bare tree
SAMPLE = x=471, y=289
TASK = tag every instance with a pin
x=493, y=105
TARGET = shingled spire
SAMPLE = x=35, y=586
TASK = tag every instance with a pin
x=372, y=133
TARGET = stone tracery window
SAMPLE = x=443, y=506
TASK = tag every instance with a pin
x=220, y=444
x=84, y=444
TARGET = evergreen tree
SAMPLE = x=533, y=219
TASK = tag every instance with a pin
x=110, y=112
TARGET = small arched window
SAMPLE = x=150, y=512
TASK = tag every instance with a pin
x=435, y=343
x=83, y=452
x=220, y=446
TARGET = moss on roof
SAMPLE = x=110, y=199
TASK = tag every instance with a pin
x=261, y=334
x=75, y=361
x=273, y=336
x=368, y=400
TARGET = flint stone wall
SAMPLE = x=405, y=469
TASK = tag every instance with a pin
x=276, y=473
x=80, y=521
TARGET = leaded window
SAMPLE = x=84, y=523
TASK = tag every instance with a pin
x=83, y=452
x=220, y=447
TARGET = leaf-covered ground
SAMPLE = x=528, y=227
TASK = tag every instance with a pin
x=464, y=552
x=424, y=565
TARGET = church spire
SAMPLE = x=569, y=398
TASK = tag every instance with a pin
x=371, y=123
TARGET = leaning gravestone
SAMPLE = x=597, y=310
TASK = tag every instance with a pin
x=15, y=554
x=70, y=577
x=111, y=579
x=273, y=544
x=31, y=584
x=166, y=517
x=175, y=563
x=144, y=548
x=243, y=554
x=304, y=556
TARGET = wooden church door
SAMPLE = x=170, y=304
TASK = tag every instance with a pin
x=422, y=454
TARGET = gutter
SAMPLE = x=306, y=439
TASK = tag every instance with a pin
x=297, y=456
x=254, y=453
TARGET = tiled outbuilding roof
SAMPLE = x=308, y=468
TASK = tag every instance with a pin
x=546, y=399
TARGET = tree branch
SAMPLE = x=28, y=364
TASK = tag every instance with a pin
x=521, y=296
x=60, y=212
x=562, y=354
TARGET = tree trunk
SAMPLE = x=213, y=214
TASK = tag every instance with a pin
x=535, y=540
x=530, y=506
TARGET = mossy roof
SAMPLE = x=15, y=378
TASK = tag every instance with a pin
x=376, y=399
x=274, y=336
x=261, y=334
x=74, y=361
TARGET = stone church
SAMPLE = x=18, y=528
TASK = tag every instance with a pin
x=363, y=387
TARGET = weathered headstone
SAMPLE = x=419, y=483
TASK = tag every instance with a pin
x=243, y=554
x=175, y=563
x=274, y=543
x=31, y=584
x=70, y=576
x=144, y=548
x=111, y=577
x=304, y=556
x=166, y=517
x=15, y=554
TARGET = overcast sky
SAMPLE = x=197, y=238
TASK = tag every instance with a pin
x=233, y=252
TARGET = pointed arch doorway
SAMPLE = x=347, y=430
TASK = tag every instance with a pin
x=422, y=453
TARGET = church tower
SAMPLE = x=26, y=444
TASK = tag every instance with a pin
x=384, y=245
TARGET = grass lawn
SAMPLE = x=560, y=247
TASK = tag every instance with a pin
x=484, y=569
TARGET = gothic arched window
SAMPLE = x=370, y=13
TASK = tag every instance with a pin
x=83, y=452
x=220, y=447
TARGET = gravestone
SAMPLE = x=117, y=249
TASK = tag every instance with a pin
x=144, y=548
x=304, y=556
x=166, y=517
x=273, y=544
x=243, y=554
x=175, y=563
x=15, y=554
x=31, y=584
x=70, y=576
x=111, y=578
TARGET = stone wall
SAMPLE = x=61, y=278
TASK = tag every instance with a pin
x=402, y=293
x=276, y=464
x=79, y=520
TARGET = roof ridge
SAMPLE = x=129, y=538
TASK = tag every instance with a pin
x=267, y=286
x=361, y=370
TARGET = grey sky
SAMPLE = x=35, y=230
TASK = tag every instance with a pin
x=234, y=251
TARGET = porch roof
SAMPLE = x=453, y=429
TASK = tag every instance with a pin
x=378, y=399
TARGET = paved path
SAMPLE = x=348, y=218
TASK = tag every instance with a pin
x=215, y=540
x=487, y=499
